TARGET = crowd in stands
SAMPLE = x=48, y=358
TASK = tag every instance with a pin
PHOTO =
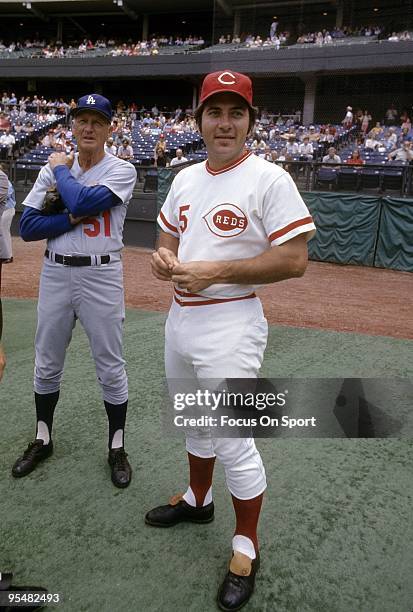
x=56, y=49
x=324, y=36
x=161, y=137
x=160, y=43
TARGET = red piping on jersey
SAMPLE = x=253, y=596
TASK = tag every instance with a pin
x=168, y=225
x=230, y=166
x=213, y=301
x=289, y=227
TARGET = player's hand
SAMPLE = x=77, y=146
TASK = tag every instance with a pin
x=195, y=275
x=61, y=159
x=162, y=262
x=76, y=220
x=2, y=361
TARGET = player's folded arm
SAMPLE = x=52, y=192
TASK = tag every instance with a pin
x=82, y=200
x=36, y=226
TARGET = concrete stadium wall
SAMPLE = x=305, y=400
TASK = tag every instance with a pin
x=291, y=61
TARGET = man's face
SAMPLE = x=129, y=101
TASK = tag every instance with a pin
x=91, y=131
x=331, y=152
x=225, y=123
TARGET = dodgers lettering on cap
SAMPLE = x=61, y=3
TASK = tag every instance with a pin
x=94, y=102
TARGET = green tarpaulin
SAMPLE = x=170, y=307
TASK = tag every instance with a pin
x=346, y=227
x=395, y=241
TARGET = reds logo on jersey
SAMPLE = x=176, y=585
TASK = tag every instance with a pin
x=226, y=220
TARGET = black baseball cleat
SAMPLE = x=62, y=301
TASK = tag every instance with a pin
x=179, y=512
x=237, y=588
x=121, y=471
x=36, y=452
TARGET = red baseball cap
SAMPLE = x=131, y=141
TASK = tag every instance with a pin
x=226, y=80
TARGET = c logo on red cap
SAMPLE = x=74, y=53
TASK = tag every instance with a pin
x=222, y=80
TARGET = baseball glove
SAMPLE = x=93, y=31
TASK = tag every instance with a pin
x=52, y=203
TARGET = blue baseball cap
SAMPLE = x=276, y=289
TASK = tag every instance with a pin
x=94, y=102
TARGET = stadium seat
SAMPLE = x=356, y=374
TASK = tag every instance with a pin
x=348, y=179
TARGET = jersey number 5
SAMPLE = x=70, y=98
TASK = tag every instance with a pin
x=183, y=219
x=94, y=231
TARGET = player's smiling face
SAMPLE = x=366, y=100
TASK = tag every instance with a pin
x=225, y=123
x=91, y=131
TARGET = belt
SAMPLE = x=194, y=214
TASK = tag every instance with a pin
x=77, y=260
x=205, y=301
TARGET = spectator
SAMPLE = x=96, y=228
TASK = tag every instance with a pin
x=125, y=151
x=160, y=158
x=377, y=130
x=306, y=149
x=258, y=144
x=273, y=30
x=391, y=115
x=5, y=222
x=365, y=122
x=179, y=158
x=274, y=156
x=348, y=118
x=313, y=135
x=110, y=147
x=331, y=157
x=371, y=143
x=49, y=139
x=355, y=159
x=5, y=122
x=391, y=138
x=403, y=153
x=393, y=37
x=8, y=140
x=292, y=146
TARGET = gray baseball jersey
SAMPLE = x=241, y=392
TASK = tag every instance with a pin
x=100, y=234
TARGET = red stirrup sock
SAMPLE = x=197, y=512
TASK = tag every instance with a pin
x=247, y=512
x=199, y=492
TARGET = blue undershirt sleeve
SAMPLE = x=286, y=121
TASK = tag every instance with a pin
x=36, y=226
x=82, y=200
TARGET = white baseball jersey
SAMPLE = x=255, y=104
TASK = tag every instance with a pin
x=96, y=235
x=237, y=212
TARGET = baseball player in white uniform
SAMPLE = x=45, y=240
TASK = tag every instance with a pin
x=81, y=277
x=228, y=225
x=6, y=252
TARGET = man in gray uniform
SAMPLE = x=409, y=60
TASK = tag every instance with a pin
x=81, y=277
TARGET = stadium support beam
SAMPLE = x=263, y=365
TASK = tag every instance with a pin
x=123, y=5
x=339, y=13
x=310, y=82
x=194, y=97
x=77, y=24
x=59, y=32
x=36, y=12
x=237, y=24
x=225, y=7
x=128, y=11
x=145, y=27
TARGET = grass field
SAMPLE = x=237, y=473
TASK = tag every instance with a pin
x=336, y=532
